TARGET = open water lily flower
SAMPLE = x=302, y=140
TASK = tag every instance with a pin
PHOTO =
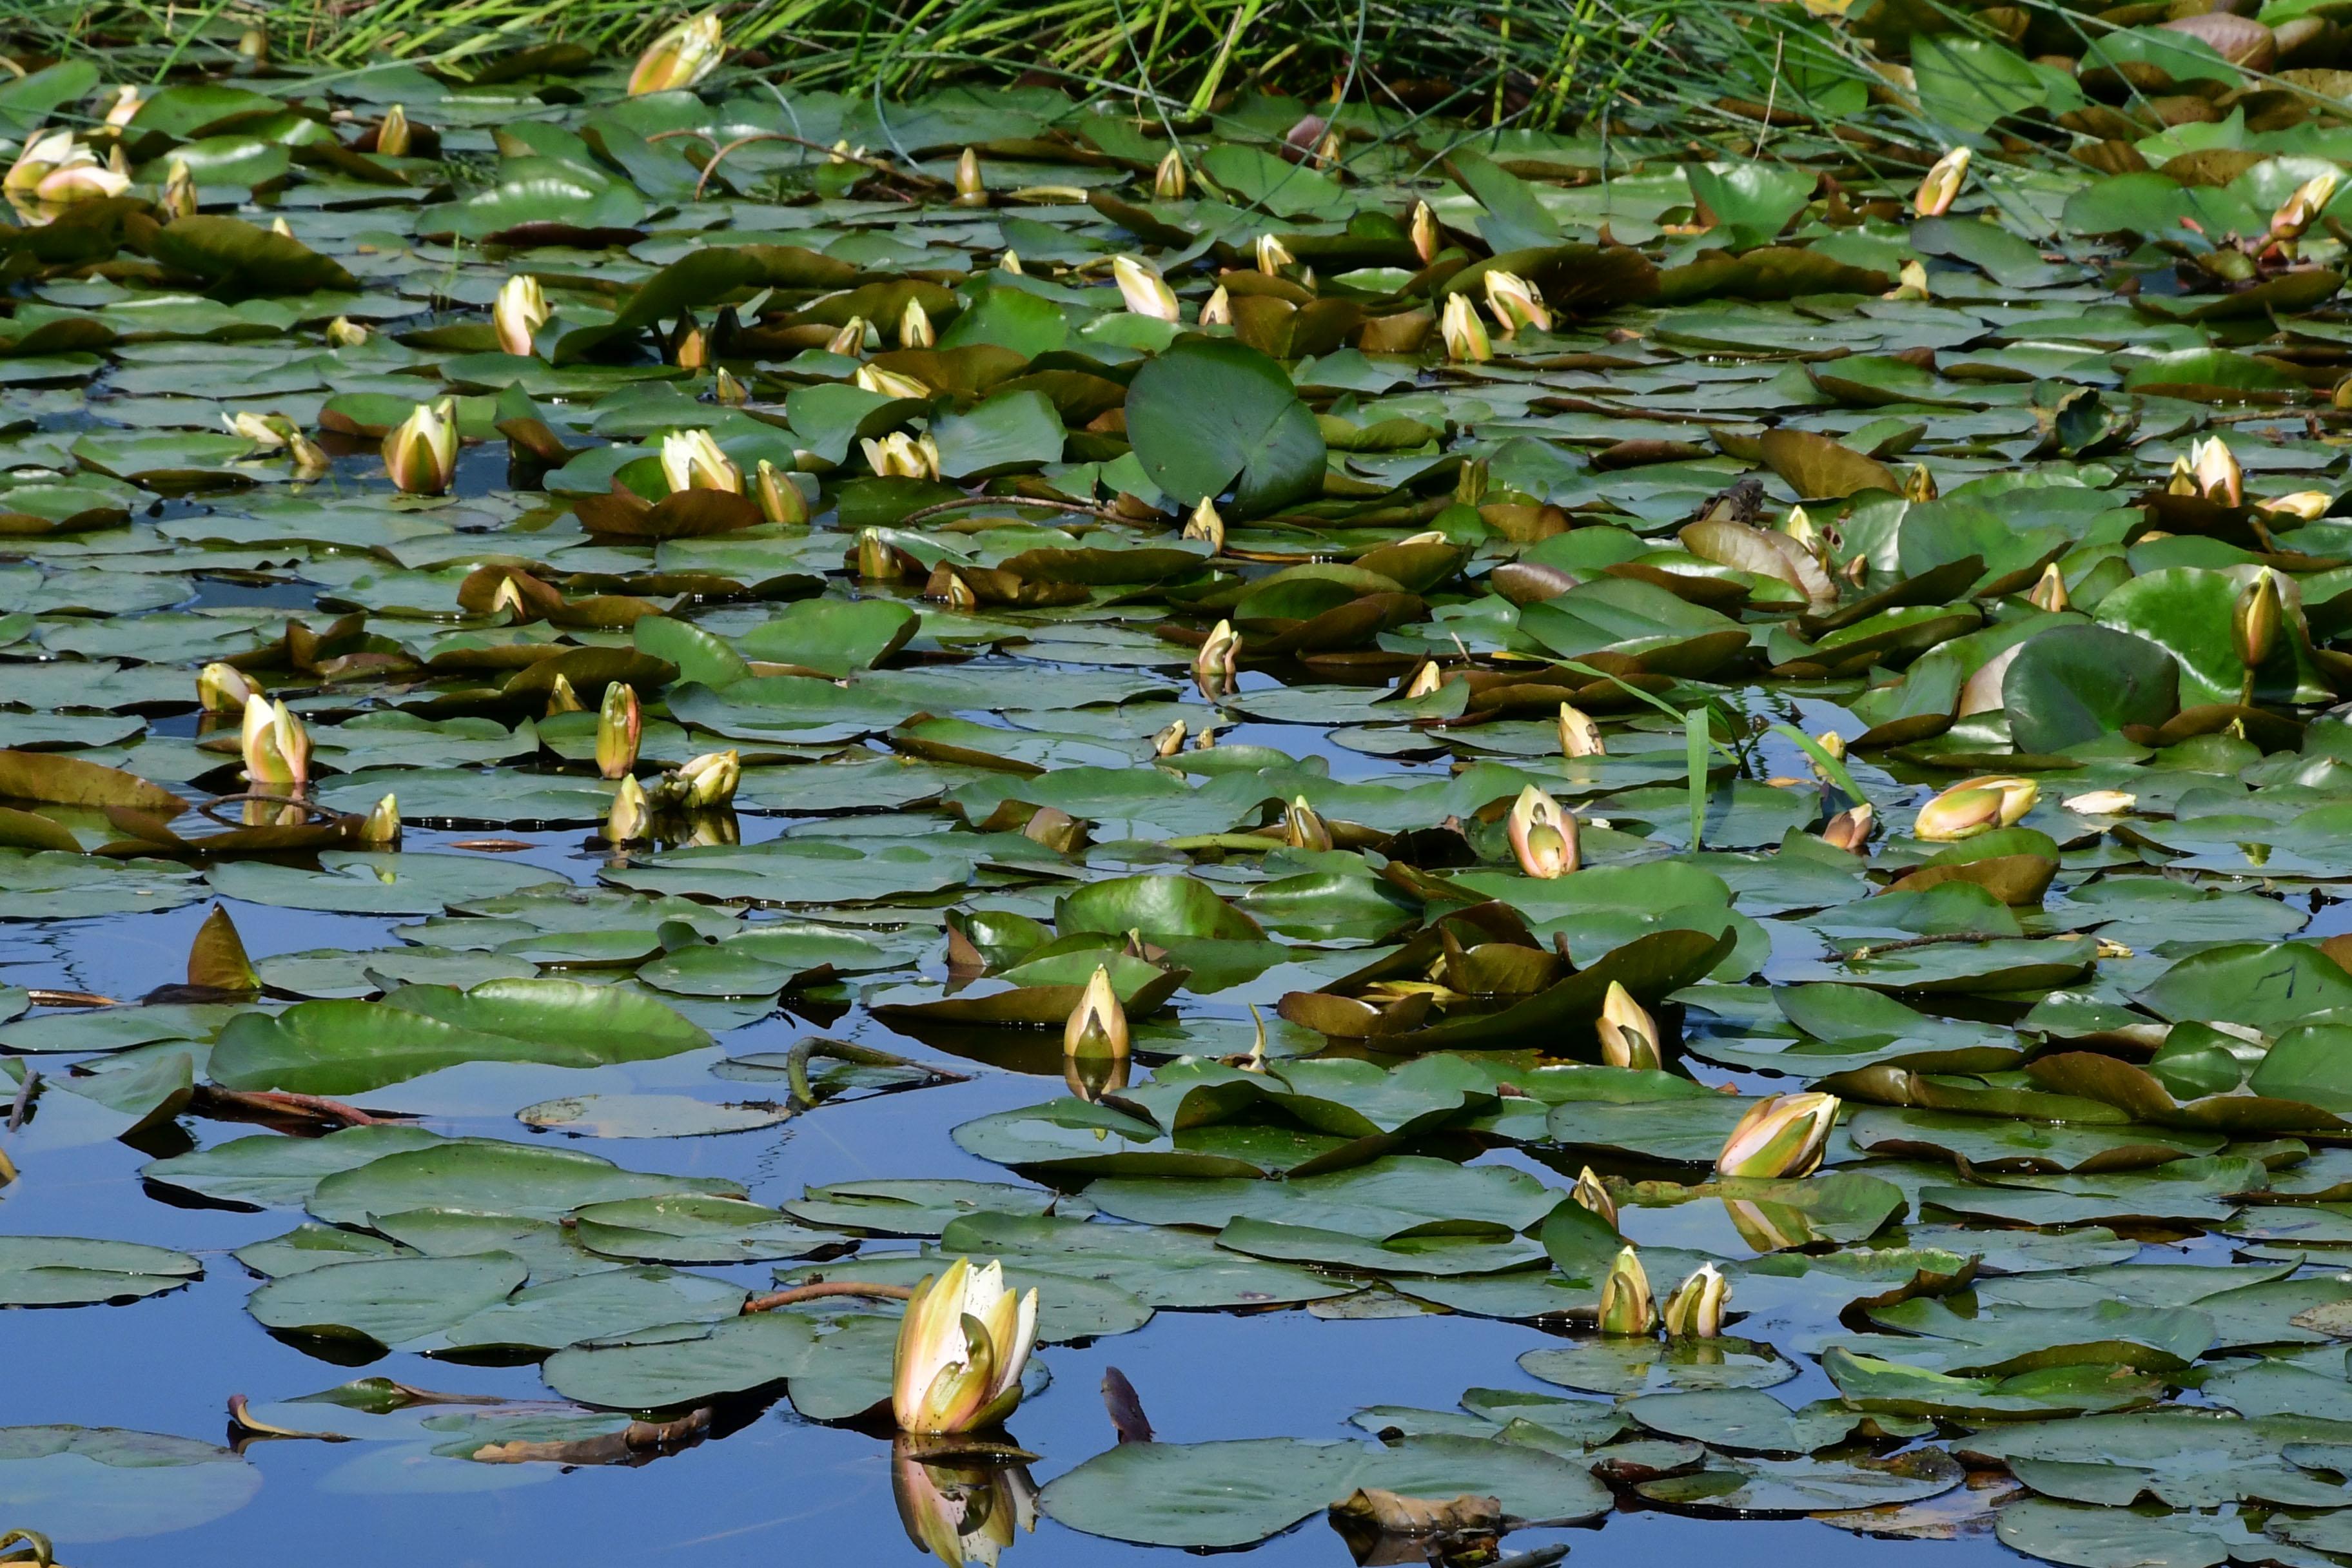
x=1781, y=1135
x=691, y=460
x=962, y=1349
x=680, y=56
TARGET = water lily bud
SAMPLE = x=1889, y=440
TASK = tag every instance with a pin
x=1424, y=231
x=1781, y=1135
x=850, y=341
x=421, y=453
x=691, y=460
x=889, y=383
x=1589, y=1193
x=179, y=189
x=1097, y=1025
x=1303, y=827
x=563, y=698
x=2100, y=802
x=1206, y=523
x=126, y=100
x=619, y=725
x=970, y=190
x=392, y=132
x=519, y=310
x=2182, y=478
x=1579, y=735
x=1942, y=185
x=915, y=326
x=689, y=347
x=2309, y=506
x=1215, y=666
x=1217, y=311
x=1010, y=262
x=1425, y=678
x=1464, y=334
x=1629, y=1036
x=1170, y=181
x=1470, y=481
x=1169, y=740
x=1696, y=1308
x=381, y=829
x=1850, y=830
x=345, y=333
x=1142, y=289
x=1800, y=526
x=2254, y=626
x=2215, y=469
x=1976, y=806
x=1542, y=836
x=727, y=390
x=310, y=459
x=1910, y=283
x=896, y=456
x=681, y=57
x=877, y=561
x=281, y=228
x=1626, y=1305
x=276, y=746
x=1273, y=256
x=780, y=499
x=1919, y=485
x=961, y=1348
x=2049, y=592
x=631, y=816
x=1831, y=741
x=254, y=45
x=709, y=779
x=223, y=689
x=1515, y=303
x=39, y=155
x=254, y=428
x=2301, y=210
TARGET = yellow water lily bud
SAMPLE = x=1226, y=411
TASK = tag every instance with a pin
x=1422, y=230
x=126, y=100
x=1217, y=310
x=223, y=689
x=689, y=347
x=35, y=160
x=1919, y=485
x=1463, y=333
x=275, y=745
x=1169, y=738
x=961, y=1348
x=1831, y=741
x=1850, y=830
x=381, y=827
x=392, y=132
x=1215, y=668
x=1097, y=1025
x=254, y=45
x=970, y=190
x=2309, y=506
x=915, y=326
x=1800, y=526
x=2049, y=591
x=1626, y=1305
x=889, y=383
x=780, y=499
x=727, y=390
x=1426, y=677
x=1169, y=182
x=1942, y=184
x=1910, y=282
x=1976, y=806
x=1696, y=1308
x=1629, y=1036
x=255, y=428
x=631, y=818
x=620, y=725
x=709, y=780
x=2215, y=469
x=310, y=459
x=345, y=333
x=179, y=197
x=2254, y=623
x=850, y=341
x=2182, y=478
x=1010, y=262
x=280, y=227
x=1470, y=481
x=1781, y=1135
x=680, y=56
x=1591, y=1194
x=1579, y=735
x=1542, y=835
x=562, y=698
x=1303, y=827
x=691, y=460
x=1142, y=289
x=1273, y=256
x=2100, y=802
x=877, y=561
x=1515, y=303
x=1206, y=523
x=896, y=456
x=2301, y=210
x=421, y=453
x=518, y=313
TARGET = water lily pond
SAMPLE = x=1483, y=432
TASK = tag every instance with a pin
x=1538, y=847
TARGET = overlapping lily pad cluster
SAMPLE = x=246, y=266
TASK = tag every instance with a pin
x=1797, y=695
